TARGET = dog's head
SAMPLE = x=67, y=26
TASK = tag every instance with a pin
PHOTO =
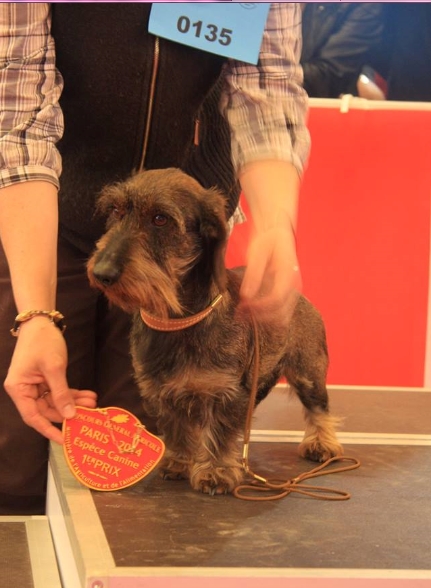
x=165, y=239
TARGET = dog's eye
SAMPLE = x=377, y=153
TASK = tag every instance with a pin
x=116, y=212
x=160, y=220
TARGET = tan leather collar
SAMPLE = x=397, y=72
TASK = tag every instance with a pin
x=176, y=324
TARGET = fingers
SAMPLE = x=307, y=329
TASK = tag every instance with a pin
x=84, y=398
x=276, y=305
x=259, y=254
x=82, y=394
x=39, y=411
x=38, y=406
x=32, y=416
x=62, y=397
x=272, y=280
x=253, y=276
x=37, y=383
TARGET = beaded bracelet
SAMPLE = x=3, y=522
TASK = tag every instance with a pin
x=53, y=315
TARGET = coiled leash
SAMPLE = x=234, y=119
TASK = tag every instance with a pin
x=276, y=489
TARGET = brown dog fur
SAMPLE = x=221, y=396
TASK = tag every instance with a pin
x=164, y=252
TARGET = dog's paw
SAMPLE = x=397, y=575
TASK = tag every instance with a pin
x=215, y=480
x=320, y=441
x=316, y=451
x=212, y=489
x=174, y=469
x=171, y=476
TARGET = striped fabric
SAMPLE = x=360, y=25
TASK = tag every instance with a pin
x=265, y=105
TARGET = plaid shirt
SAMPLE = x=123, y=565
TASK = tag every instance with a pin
x=265, y=105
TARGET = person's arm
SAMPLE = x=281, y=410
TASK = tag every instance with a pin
x=266, y=108
x=30, y=124
x=272, y=279
x=28, y=229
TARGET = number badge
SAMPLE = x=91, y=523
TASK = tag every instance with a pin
x=231, y=30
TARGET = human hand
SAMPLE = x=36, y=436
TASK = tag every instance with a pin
x=272, y=280
x=36, y=380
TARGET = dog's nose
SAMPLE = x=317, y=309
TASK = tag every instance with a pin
x=106, y=273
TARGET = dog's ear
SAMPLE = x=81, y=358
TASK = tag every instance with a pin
x=213, y=232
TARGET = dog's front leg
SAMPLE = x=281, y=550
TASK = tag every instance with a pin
x=216, y=465
x=202, y=445
x=216, y=468
x=211, y=464
x=181, y=440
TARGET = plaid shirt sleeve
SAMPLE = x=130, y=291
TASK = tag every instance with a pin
x=265, y=104
x=31, y=121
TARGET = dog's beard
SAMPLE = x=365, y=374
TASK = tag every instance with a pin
x=143, y=284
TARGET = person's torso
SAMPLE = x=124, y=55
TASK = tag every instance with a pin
x=130, y=101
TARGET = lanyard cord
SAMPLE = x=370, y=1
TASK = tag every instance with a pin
x=276, y=489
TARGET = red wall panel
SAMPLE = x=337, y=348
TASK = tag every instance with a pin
x=363, y=241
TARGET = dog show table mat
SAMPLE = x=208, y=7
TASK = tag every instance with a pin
x=27, y=557
x=162, y=534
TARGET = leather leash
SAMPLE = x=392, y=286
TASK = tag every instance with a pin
x=276, y=489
